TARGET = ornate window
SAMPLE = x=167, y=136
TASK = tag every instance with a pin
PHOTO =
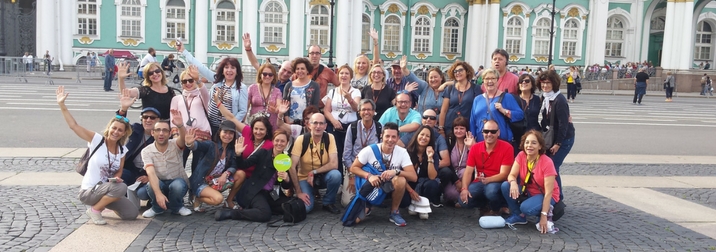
x=175, y=19
x=615, y=37
x=392, y=20
x=570, y=38
x=513, y=36
x=541, y=37
x=273, y=16
x=131, y=18
x=320, y=25
x=365, y=39
x=391, y=33
x=451, y=31
x=421, y=35
x=704, y=34
x=87, y=17
x=225, y=21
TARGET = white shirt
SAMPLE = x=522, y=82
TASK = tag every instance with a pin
x=398, y=159
x=340, y=104
x=147, y=59
x=102, y=165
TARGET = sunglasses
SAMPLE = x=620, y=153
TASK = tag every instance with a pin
x=161, y=130
x=156, y=71
x=187, y=81
x=489, y=132
x=429, y=117
x=526, y=81
x=119, y=117
x=267, y=74
x=149, y=117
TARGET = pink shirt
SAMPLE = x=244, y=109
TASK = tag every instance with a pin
x=248, y=140
x=507, y=81
x=196, y=105
x=256, y=101
x=543, y=168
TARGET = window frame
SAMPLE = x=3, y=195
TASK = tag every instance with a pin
x=319, y=30
x=700, y=45
x=281, y=25
x=612, y=44
x=166, y=20
x=449, y=12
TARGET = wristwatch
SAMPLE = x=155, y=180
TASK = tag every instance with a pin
x=315, y=172
x=544, y=213
x=397, y=172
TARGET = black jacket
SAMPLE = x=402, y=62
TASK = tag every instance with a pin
x=262, y=159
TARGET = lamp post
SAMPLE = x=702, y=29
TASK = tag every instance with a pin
x=551, y=35
x=330, y=42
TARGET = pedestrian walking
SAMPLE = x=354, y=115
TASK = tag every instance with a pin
x=669, y=85
x=48, y=62
x=640, y=82
x=708, y=88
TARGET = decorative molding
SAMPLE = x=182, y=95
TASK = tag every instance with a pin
x=225, y=46
x=272, y=48
x=421, y=56
x=85, y=40
x=573, y=10
x=391, y=55
x=541, y=59
x=319, y=2
x=222, y=45
x=450, y=56
x=399, y=9
x=456, y=12
x=130, y=42
x=514, y=58
x=423, y=10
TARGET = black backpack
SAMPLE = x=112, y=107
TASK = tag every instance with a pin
x=354, y=130
x=307, y=140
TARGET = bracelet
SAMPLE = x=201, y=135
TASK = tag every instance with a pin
x=367, y=177
x=180, y=126
x=218, y=105
x=247, y=49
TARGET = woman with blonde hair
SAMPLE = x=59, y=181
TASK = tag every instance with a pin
x=154, y=91
x=382, y=96
x=193, y=105
x=361, y=64
x=263, y=95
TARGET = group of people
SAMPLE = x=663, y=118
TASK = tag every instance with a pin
x=449, y=140
x=29, y=61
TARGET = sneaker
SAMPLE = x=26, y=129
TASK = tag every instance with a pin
x=150, y=213
x=397, y=219
x=96, y=217
x=183, y=211
x=412, y=213
x=423, y=216
x=516, y=219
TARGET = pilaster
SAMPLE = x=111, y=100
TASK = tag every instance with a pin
x=249, y=11
x=201, y=28
x=596, y=40
x=297, y=25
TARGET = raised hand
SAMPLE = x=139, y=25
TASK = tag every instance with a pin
x=404, y=62
x=283, y=106
x=218, y=94
x=430, y=152
x=194, y=72
x=61, y=95
x=180, y=47
x=411, y=87
x=469, y=140
x=126, y=99
x=273, y=106
x=122, y=70
x=176, y=118
x=374, y=34
x=239, y=146
x=190, y=137
x=247, y=40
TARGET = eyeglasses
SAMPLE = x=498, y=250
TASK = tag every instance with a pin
x=526, y=81
x=460, y=70
x=156, y=71
x=377, y=72
x=490, y=79
x=402, y=102
x=318, y=123
x=429, y=117
x=486, y=132
x=149, y=117
x=161, y=130
x=314, y=53
x=187, y=81
x=119, y=117
x=267, y=74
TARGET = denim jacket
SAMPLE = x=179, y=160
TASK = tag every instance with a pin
x=209, y=151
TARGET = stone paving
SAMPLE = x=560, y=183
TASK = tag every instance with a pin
x=703, y=196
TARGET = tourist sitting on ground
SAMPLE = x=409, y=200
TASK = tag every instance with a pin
x=396, y=169
x=430, y=119
x=215, y=171
x=168, y=182
x=451, y=177
x=260, y=196
x=102, y=185
x=408, y=119
x=359, y=134
x=532, y=175
x=422, y=154
x=491, y=160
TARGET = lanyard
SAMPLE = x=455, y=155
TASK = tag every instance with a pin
x=366, y=134
x=462, y=153
x=530, y=166
x=264, y=97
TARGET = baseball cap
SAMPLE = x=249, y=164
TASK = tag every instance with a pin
x=395, y=63
x=151, y=109
x=227, y=125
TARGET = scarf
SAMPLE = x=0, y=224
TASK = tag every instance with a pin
x=549, y=96
x=190, y=93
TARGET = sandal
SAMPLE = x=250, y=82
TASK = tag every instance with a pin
x=200, y=208
x=226, y=205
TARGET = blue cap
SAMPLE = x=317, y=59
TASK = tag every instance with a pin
x=151, y=109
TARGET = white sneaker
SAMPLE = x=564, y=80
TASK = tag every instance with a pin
x=183, y=211
x=423, y=216
x=96, y=217
x=150, y=213
x=412, y=213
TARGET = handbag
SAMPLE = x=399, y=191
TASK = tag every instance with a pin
x=81, y=167
x=518, y=127
x=294, y=211
x=549, y=133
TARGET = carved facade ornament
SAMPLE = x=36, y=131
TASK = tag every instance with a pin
x=319, y=2
x=393, y=8
x=85, y=40
x=494, y=1
x=421, y=56
x=423, y=10
x=391, y=55
x=541, y=59
x=272, y=48
x=569, y=60
x=450, y=56
x=516, y=10
x=514, y=58
x=573, y=12
x=173, y=43
x=224, y=46
x=130, y=42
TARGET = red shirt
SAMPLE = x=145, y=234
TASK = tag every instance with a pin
x=490, y=163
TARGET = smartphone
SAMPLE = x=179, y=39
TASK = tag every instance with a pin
x=113, y=180
x=178, y=41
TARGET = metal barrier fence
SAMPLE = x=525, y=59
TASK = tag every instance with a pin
x=22, y=68
x=86, y=70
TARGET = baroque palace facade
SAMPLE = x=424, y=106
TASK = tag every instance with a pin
x=674, y=34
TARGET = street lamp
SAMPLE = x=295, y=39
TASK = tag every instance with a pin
x=551, y=35
x=330, y=45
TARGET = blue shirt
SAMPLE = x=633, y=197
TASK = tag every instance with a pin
x=428, y=98
x=391, y=115
x=480, y=114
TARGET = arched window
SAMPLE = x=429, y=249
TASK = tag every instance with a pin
x=702, y=48
x=273, y=23
x=451, y=30
x=365, y=39
x=513, y=35
x=131, y=18
x=615, y=37
x=541, y=37
x=391, y=34
x=225, y=21
x=319, y=25
x=421, y=35
x=86, y=17
x=176, y=19
x=570, y=38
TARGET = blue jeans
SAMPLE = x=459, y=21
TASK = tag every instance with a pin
x=174, y=190
x=332, y=181
x=107, y=79
x=530, y=207
x=484, y=194
x=558, y=159
x=428, y=188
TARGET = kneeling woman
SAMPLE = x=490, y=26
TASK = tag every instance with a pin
x=536, y=174
x=214, y=173
x=102, y=185
x=255, y=198
x=422, y=154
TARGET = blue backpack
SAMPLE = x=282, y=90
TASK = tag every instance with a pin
x=375, y=197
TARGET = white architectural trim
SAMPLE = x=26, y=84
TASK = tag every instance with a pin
x=368, y=9
x=629, y=38
x=272, y=47
x=224, y=45
x=658, y=13
x=131, y=41
x=580, y=19
x=456, y=11
x=541, y=11
x=432, y=11
x=187, y=12
x=710, y=18
x=522, y=13
x=385, y=11
x=90, y=38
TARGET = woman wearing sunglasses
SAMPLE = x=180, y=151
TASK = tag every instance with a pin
x=530, y=102
x=154, y=91
x=263, y=95
x=458, y=96
x=192, y=105
x=102, y=185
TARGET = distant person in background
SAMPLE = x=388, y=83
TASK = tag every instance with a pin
x=149, y=58
x=703, y=84
x=48, y=62
x=669, y=85
x=707, y=66
x=168, y=63
x=108, y=69
x=640, y=82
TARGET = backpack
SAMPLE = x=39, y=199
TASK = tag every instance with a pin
x=294, y=211
x=354, y=130
x=307, y=136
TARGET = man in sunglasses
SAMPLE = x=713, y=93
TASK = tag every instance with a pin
x=430, y=119
x=140, y=138
x=491, y=159
x=408, y=119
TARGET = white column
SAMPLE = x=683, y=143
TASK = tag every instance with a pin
x=634, y=49
x=685, y=34
x=46, y=32
x=493, y=26
x=342, y=28
x=201, y=28
x=250, y=10
x=596, y=40
x=64, y=53
x=296, y=40
x=468, y=48
x=357, y=31
x=483, y=12
x=678, y=45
